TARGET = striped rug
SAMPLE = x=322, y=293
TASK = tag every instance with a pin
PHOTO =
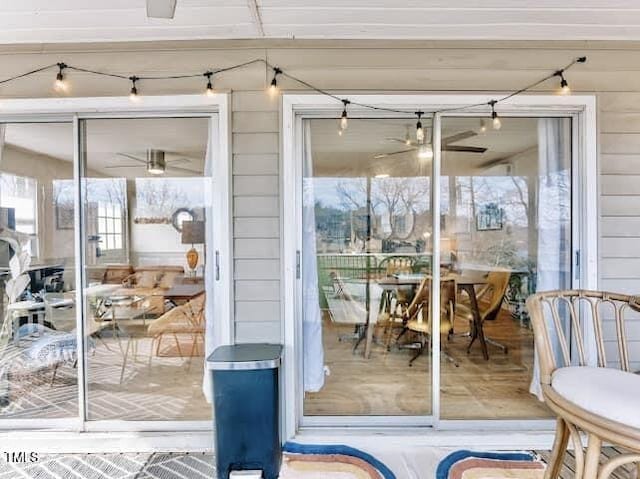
x=305, y=461
x=488, y=465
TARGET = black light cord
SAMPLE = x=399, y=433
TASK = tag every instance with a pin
x=310, y=86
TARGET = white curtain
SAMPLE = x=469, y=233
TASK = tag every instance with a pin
x=313, y=356
x=211, y=332
x=554, y=252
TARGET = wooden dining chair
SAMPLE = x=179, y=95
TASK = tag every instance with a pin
x=420, y=321
x=489, y=299
x=593, y=394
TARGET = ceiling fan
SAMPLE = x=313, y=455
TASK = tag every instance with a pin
x=447, y=145
x=155, y=163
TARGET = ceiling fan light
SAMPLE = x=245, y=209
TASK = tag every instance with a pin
x=156, y=164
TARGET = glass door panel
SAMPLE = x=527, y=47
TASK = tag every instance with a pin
x=38, y=347
x=506, y=228
x=146, y=208
x=366, y=257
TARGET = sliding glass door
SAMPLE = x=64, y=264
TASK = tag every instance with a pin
x=366, y=258
x=506, y=199
x=108, y=270
x=38, y=341
x=146, y=193
x=370, y=288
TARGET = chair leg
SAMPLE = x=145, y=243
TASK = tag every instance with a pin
x=419, y=352
x=498, y=345
x=124, y=361
x=53, y=377
x=559, y=450
x=592, y=459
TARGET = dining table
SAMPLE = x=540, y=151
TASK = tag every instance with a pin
x=466, y=281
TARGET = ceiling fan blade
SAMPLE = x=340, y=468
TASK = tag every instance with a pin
x=178, y=160
x=459, y=137
x=464, y=149
x=131, y=157
x=185, y=170
x=492, y=163
x=401, y=140
x=384, y=155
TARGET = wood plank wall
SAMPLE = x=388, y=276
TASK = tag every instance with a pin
x=612, y=73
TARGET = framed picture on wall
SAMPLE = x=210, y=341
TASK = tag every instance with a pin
x=489, y=218
x=64, y=209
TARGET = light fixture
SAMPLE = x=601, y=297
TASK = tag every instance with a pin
x=425, y=151
x=156, y=164
x=564, y=85
x=60, y=84
x=133, y=94
x=344, y=121
x=419, y=129
x=209, y=91
x=382, y=175
x=497, y=124
x=161, y=8
x=273, y=88
x=483, y=126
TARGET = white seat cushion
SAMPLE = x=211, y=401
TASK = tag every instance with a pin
x=610, y=393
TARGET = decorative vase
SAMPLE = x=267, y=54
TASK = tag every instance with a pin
x=192, y=259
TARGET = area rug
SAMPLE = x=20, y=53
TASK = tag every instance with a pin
x=306, y=461
x=488, y=465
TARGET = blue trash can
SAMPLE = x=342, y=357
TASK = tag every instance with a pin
x=246, y=408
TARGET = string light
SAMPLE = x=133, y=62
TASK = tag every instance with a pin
x=209, y=91
x=133, y=94
x=273, y=88
x=344, y=120
x=419, y=129
x=60, y=84
x=564, y=85
x=497, y=124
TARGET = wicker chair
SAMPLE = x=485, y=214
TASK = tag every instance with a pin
x=601, y=401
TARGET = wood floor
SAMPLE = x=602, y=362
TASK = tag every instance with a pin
x=384, y=384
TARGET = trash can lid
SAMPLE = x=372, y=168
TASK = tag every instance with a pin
x=245, y=356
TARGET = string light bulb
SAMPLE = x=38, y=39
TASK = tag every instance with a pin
x=133, y=93
x=495, y=119
x=209, y=90
x=564, y=85
x=273, y=88
x=60, y=84
x=344, y=119
x=419, y=129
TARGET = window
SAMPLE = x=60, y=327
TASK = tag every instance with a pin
x=20, y=194
x=110, y=225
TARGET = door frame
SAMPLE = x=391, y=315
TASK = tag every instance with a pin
x=72, y=110
x=582, y=109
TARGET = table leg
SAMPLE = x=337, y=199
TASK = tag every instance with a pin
x=477, y=331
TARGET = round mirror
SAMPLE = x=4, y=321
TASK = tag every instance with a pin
x=180, y=215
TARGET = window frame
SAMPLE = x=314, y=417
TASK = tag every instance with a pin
x=582, y=110
x=73, y=110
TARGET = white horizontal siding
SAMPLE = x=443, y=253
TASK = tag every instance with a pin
x=612, y=72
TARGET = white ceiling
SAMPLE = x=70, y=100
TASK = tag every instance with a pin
x=353, y=153
x=107, y=140
x=52, y=21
